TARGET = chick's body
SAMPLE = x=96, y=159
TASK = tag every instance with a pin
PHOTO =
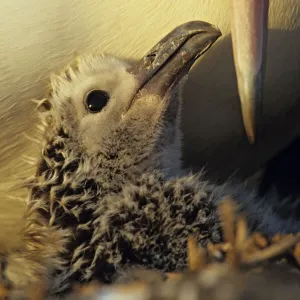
x=125, y=202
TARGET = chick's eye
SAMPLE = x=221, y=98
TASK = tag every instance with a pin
x=96, y=100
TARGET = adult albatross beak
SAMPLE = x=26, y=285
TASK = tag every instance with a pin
x=249, y=27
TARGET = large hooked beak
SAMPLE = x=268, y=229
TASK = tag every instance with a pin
x=249, y=26
x=172, y=57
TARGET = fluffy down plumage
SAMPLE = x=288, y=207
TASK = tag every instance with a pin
x=109, y=191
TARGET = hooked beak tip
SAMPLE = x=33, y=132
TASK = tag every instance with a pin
x=249, y=35
x=251, y=97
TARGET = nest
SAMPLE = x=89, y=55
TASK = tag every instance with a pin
x=243, y=267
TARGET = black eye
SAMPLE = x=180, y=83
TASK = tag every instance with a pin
x=96, y=100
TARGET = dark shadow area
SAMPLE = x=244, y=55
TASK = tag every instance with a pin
x=282, y=176
x=214, y=135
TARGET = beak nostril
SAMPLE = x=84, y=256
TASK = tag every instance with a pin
x=152, y=55
x=150, y=58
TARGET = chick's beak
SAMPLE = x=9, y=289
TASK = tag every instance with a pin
x=249, y=27
x=172, y=57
